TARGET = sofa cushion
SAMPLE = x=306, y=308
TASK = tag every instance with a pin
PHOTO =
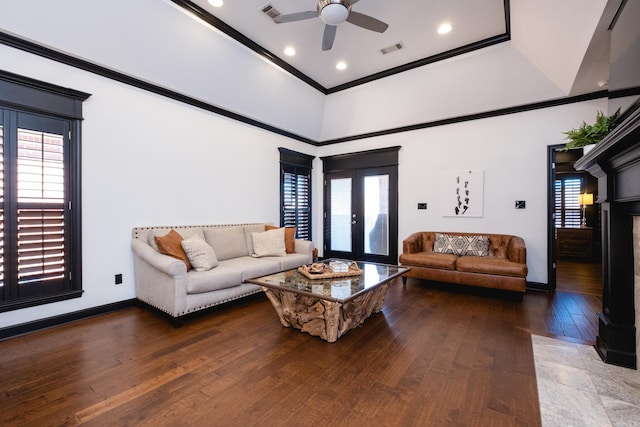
x=170, y=244
x=200, y=254
x=221, y=277
x=489, y=265
x=430, y=259
x=269, y=243
x=461, y=244
x=499, y=246
x=291, y=261
x=227, y=242
x=251, y=268
x=289, y=237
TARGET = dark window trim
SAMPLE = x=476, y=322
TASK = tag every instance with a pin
x=23, y=94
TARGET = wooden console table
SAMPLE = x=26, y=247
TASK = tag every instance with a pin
x=575, y=242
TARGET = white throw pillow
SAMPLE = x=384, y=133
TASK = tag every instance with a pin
x=200, y=254
x=269, y=243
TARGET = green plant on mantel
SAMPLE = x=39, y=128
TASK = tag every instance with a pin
x=590, y=134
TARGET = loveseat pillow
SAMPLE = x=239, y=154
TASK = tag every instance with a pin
x=461, y=245
x=289, y=237
x=170, y=244
x=269, y=243
x=200, y=254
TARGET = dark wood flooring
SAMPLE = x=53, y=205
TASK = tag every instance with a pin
x=434, y=356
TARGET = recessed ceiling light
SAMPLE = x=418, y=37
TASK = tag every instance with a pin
x=341, y=66
x=216, y=3
x=289, y=51
x=444, y=28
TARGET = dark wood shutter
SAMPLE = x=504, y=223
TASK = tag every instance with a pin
x=295, y=192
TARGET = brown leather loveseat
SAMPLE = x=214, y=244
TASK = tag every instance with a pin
x=496, y=261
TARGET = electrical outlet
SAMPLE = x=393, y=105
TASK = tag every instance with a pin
x=521, y=204
x=118, y=279
x=422, y=206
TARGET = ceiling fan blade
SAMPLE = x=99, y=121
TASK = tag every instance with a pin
x=367, y=22
x=298, y=16
x=328, y=37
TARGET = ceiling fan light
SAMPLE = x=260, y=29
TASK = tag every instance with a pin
x=334, y=13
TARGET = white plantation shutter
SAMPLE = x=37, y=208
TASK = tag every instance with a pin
x=41, y=200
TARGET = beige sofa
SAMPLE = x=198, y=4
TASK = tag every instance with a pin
x=497, y=261
x=163, y=281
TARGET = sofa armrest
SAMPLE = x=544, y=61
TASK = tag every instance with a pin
x=169, y=265
x=160, y=280
x=304, y=247
x=517, y=250
x=412, y=244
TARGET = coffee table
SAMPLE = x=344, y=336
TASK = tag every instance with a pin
x=328, y=308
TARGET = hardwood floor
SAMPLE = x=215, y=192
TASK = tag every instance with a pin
x=434, y=356
x=579, y=276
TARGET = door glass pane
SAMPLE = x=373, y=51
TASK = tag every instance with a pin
x=340, y=214
x=376, y=214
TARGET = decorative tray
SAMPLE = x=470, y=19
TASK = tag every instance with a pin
x=319, y=270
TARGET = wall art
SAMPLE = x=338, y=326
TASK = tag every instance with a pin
x=463, y=193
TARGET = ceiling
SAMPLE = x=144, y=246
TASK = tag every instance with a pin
x=412, y=24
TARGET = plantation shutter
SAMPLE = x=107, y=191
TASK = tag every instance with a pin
x=567, y=206
x=295, y=192
x=41, y=206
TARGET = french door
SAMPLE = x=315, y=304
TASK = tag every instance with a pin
x=360, y=221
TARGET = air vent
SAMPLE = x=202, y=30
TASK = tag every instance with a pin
x=270, y=11
x=392, y=48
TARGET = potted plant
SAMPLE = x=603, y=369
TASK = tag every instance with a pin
x=590, y=134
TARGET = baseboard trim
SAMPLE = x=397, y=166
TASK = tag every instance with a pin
x=537, y=286
x=49, y=322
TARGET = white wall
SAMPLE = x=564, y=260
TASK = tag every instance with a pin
x=485, y=80
x=156, y=41
x=147, y=160
x=512, y=151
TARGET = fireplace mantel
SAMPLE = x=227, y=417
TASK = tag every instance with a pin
x=615, y=162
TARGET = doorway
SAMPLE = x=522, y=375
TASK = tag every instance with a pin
x=360, y=206
x=574, y=235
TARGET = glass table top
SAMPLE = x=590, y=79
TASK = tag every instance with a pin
x=338, y=289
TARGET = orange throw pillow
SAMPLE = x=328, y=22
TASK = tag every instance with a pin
x=289, y=237
x=170, y=244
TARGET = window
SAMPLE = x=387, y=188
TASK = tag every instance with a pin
x=567, y=206
x=39, y=193
x=295, y=192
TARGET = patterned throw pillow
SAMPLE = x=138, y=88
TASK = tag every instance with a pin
x=200, y=254
x=461, y=245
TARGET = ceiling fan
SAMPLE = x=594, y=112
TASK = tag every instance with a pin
x=332, y=13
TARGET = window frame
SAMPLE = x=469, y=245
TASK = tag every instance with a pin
x=30, y=97
x=299, y=165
